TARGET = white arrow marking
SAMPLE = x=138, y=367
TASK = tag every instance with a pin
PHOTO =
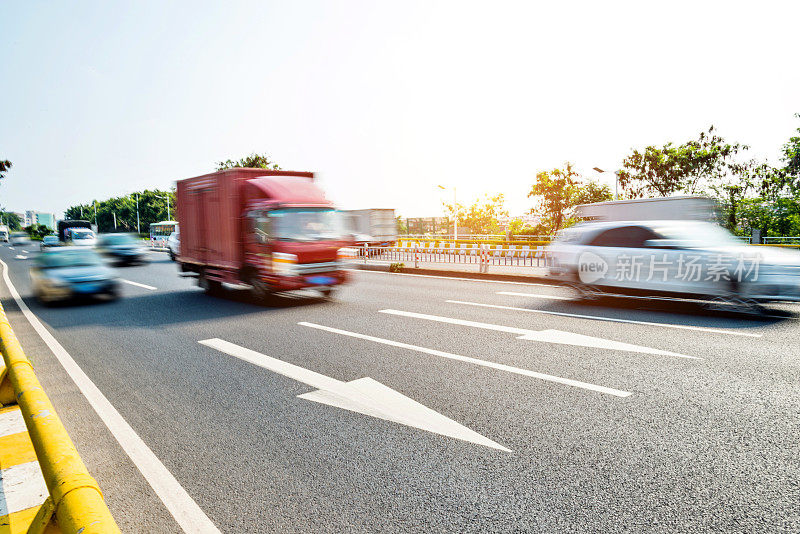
x=546, y=336
x=365, y=396
x=484, y=363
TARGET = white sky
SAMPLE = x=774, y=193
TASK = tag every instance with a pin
x=384, y=100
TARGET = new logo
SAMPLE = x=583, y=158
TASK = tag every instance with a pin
x=591, y=267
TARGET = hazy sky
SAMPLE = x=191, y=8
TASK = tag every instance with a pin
x=384, y=99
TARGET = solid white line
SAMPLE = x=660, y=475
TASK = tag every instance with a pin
x=484, y=363
x=11, y=422
x=21, y=487
x=177, y=501
x=137, y=284
x=609, y=319
x=456, y=278
x=534, y=295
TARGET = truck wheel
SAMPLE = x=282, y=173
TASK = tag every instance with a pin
x=258, y=288
x=211, y=287
x=328, y=293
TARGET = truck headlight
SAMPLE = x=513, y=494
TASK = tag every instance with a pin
x=283, y=264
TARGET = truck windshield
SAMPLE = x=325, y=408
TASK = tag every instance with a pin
x=305, y=224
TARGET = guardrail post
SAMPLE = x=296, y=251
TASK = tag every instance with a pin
x=416, y=256
x=366, y=253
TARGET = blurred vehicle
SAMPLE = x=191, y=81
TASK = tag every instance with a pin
x=377, y=227
x=4, y=233
x=19, y=238
x=160, y=232
x=174, y=243
x=122, y=249
x=49, y=241
x=64, y=272
x=272, y=230
x=64, y=226
x=686, y=258
x=81, y=237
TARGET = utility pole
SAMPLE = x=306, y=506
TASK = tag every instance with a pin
x=137, y=213
x=114, y=213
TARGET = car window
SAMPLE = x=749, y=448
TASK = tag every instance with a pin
x=624, y=236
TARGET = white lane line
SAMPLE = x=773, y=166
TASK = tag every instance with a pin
x=534, y=295
x=11, y=422
x=546, y=336
x=21, y=487
x=608, y=319
x=137, y=284
x=177, y=501
x=21, y=257
x=456, y=278
x=24, y=251
x=365, y=396
x=484, y=363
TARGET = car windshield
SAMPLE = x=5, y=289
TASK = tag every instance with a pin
x=69, y=258
x=305, y=224
x=698, y=235
x=83, y=235
x=118, y=239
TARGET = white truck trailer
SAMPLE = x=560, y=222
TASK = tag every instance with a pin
x=693, y=208
x=372, y=226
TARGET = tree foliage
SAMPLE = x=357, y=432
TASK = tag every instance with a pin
x=38, y=231
x=11, y=220
x=690, y=167
x=482, y=217
x=791, y=154
x=4, y=166
x=559, y=191
x=255, y=161
x=152, y=208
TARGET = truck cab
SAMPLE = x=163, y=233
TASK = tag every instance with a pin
x=272, y=230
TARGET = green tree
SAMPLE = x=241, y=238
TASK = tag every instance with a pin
x=152, y=208
x=255, y=161
x=691, y=167
x=4, y=166
x=791, y=154
x=11, y=220
x=554, y=191
x=482, y=217
x=37, y=231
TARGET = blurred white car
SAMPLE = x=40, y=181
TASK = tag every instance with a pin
x=174, y=244
x=684, y=258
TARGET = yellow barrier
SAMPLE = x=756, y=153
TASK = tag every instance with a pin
x=75, y=497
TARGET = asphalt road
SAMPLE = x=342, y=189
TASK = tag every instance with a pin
x=699, y=434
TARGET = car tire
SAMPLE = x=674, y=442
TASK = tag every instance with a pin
x=171, y=255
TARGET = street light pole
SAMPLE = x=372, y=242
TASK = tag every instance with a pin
x=137, y=214
x=616, y=181
x=455, y=211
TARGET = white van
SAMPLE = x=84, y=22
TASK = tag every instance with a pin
x=82, y=237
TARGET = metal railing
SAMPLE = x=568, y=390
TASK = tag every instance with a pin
x=481, y=256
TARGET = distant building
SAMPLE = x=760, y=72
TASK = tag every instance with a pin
x=38, y=217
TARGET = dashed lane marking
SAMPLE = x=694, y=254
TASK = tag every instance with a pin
x=137, y=284
x=484, y=363
x=534, y=295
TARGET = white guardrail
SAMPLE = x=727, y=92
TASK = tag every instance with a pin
x=482, y=256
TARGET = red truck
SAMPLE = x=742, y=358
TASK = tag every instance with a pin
x=271, y=230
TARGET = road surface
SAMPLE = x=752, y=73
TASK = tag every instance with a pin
x=419, y=404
